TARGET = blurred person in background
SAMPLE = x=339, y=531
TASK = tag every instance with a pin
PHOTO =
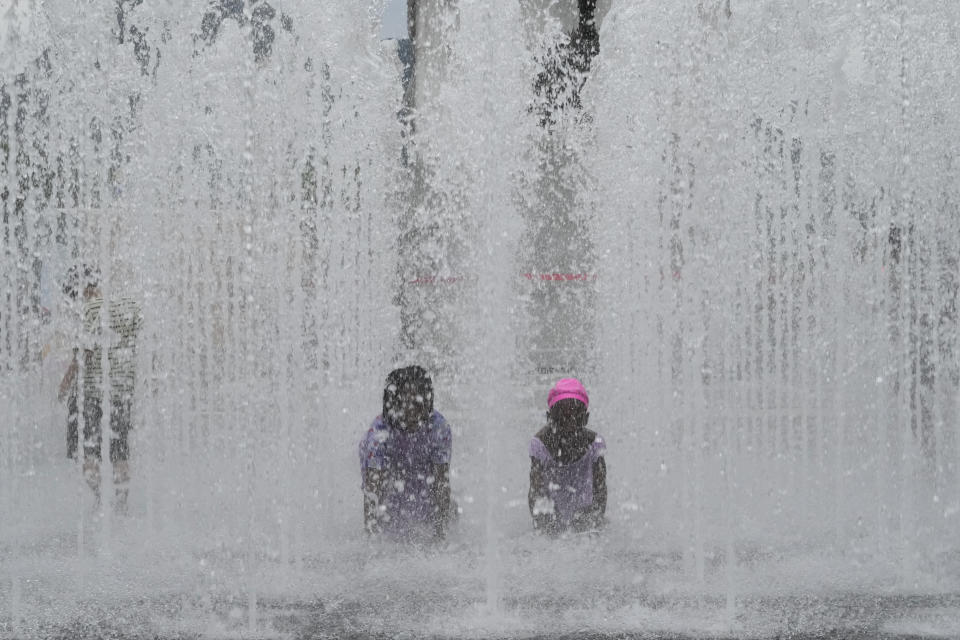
x=117, y=331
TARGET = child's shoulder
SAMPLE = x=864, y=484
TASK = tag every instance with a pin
x=598, y=444
x=378, y=430
x=538, y=448
x=437, y=421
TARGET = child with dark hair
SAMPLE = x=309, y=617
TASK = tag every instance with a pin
x=568, y=474
x=405, y=462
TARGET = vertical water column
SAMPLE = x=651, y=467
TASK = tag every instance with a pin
x=157, y=255
x=318, y=183
x=181, y=422
x=16, y=316
x=294, y=388
x=434, y=221
x=904, y=282
x=28, y=185
x=954, y=378
x=556, y=197
x=459, y=233
x=630, y=277
x=9, y=318
x=490, y=41
x=682, y=227
x=764, y=250
x=359, y=242
x=253, y=216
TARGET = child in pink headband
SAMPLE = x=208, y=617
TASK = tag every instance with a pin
x=568, y=474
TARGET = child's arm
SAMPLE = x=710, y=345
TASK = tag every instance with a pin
x=599, y=491
x=592, y=517
x=68, y=378
x=440, y=493
x=372, y=499
x=543, y=520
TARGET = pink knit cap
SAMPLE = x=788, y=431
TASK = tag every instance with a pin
x=568, y=388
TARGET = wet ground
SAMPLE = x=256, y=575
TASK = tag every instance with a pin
x=370, y=593
x=848, y=616
x=180, y=579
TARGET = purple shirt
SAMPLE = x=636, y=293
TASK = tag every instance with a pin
x=569, y=486
x=408, y=460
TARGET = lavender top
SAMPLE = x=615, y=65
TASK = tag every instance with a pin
x=408, y=459
x=569, y=486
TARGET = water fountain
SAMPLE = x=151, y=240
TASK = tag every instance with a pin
x=741, y=232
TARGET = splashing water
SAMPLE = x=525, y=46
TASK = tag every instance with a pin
x=740, y=230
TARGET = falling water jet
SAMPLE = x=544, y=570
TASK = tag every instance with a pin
x=493, y=581
x=879, y=381
x=105, y=486
x=15, y=604
x=837, y=380
x=902, y=415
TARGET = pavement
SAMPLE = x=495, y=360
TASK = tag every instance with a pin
x=850, y=616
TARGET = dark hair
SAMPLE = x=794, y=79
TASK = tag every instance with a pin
x=568, y=406
x=406, y=380
x=74, y=285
